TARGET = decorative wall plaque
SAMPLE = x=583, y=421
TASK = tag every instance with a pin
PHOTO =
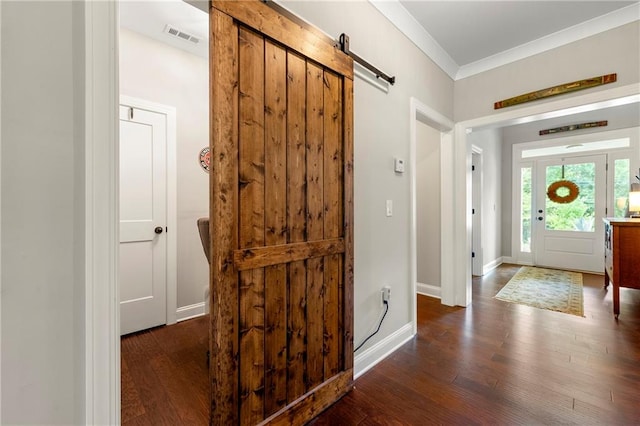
x=557, y=90
x=574, y=127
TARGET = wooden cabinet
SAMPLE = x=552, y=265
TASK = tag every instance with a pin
x=621, y=256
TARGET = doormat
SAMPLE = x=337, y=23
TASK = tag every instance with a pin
x=550, y=289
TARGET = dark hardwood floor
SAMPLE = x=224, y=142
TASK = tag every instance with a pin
x=490, y=363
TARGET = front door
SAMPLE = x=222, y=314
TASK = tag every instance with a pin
x=281, y=218
x=143, y=216
x=569, y=230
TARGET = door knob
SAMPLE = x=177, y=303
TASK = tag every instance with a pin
x=158, y=230
x=540, y=218
x=539, y=211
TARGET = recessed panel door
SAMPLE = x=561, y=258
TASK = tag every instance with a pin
x=143, y=207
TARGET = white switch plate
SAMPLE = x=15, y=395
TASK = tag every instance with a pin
x=389, y=208
x=398, y=165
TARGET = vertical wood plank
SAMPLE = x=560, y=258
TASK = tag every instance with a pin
x=315, y=223
x=296, y=221
x=251, y=223
x=347, y=290
x=275, y=226
x=333, y=222
x=223, y=186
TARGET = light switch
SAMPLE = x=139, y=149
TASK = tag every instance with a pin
x=389, y=208
x=398, y=165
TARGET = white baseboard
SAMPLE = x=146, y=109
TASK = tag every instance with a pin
x=492, y=265
x=190, y=311
x=367, y=359
x=509, y=259
x=428, y=290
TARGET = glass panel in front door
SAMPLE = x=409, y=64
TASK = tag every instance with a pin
x=579, y=214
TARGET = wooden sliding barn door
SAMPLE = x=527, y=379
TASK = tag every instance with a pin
x=282, y=218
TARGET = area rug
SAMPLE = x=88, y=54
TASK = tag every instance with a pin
x=542, y=288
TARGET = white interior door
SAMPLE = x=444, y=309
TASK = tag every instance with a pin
x=570, y=235
x=143, y=218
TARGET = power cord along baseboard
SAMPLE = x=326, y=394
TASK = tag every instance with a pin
x=386, y=309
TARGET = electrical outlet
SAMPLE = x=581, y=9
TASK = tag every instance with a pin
x=386, y=294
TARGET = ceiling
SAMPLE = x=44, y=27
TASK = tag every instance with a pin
x=462, y=37
x=470, y=31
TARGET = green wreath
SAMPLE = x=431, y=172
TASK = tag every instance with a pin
x=552, y=191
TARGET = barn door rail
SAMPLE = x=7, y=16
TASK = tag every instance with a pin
x=342, y=43
x=344, y=46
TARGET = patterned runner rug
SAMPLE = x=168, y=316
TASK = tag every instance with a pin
x=550, y=289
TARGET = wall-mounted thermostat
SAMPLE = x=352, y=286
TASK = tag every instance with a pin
x=399, y=165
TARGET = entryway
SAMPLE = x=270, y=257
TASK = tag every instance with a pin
x=562, y=190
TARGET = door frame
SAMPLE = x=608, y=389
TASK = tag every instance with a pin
x=172, y=222
x=419, y=111
x=101, y=336
x=477, y=262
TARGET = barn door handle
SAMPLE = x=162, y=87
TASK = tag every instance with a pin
x=158, y=230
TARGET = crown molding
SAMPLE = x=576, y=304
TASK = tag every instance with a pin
x=577, y=32
x=407, y=24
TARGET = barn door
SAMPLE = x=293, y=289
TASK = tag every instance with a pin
x=282, y=218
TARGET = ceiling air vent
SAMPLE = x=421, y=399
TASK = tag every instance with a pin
x=171, y=30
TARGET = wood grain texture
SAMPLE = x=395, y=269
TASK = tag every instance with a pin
x=315, y=224
x=223, y=184
x=333, y=225
x=348, y=272
x=251, y=226
x=622, y=258
x=296, y=220
x=275, y=227
x=287, y=232
x=313, y=403
x=274, y=255
x=264, y=19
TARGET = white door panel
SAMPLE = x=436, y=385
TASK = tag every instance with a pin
x=571, y=235
x=143, y=209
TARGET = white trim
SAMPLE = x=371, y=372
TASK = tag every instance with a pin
x=477, y=261
x=492, y=265
x=102, y=331
x=409, y=26
x=563, y=37
x=172, y=223
x=428, y=290
x=0, y=223
x=376, y=353
x=426, y=114
x=366, y=76
x=508, y=259
x=190, y=311
x=461, y=240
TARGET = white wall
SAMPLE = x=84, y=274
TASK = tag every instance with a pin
x=428, y=204
x=42, y=251
x=381, y=132
x=156, y=72
x=490, y=141
x=614, y=51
